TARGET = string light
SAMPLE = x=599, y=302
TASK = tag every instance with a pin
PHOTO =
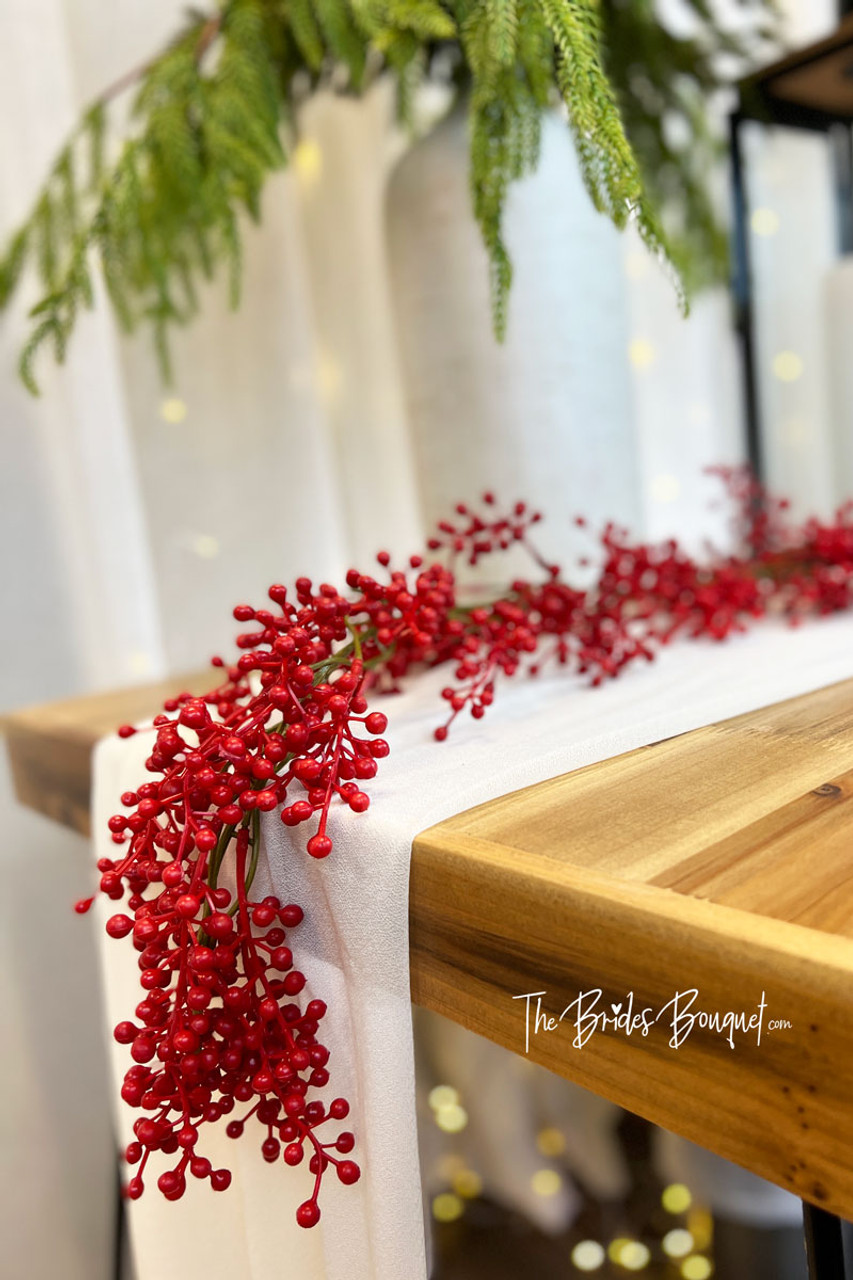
x=765, y=222
x=696, y=1268
x=676, y=1198
x=468, y=1184
x=443, y=1095
x=308, y=161
x=787, y=366
x=449, y=1115
x=677, y=1243
x=587, y=1255
x=634, y=1256
x=206, y=546
x=451, y=1119
x=329, y=377
x=641, y=353
x=551, y=1142
x=546, y=1182
x=173, y=410
x=447, y=1207
x=700, y=1224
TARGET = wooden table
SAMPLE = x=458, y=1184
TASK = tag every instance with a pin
x=720, y=860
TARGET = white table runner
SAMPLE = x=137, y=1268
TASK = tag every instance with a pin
x=354, y=943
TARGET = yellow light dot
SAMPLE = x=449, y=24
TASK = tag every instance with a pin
x=765, y=222
x=452, y=1119
x=308, y=160
x=467, y=1184
x=614, y=1249
x=206, y=546
x=665, y=488
x=787, y=366
x=700, y=1224
x=173, y=410
x=641, y=353
x=676, y=1198
x=696, y=1268
x=551, y=1142
x=677, y=1243
x=443, y=1095
x=139, y=662
x=634, y=1256
x=447, y=1207
x=546, y=1182
x=329, y=377
x=587, y=1255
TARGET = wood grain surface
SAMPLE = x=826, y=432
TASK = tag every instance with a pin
x=720, y=860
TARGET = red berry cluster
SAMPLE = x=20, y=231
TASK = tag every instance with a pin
x=288, y=728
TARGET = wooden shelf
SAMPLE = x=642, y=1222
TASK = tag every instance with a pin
x=811, y=87
x=720, y=860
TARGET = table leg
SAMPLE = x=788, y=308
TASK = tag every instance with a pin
x=824, y=1250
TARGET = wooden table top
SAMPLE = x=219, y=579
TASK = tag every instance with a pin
x=720, y=860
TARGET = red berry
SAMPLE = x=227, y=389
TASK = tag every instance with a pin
x=308, y=1214
x=319, y=846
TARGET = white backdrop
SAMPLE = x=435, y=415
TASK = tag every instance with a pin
x=136, y=517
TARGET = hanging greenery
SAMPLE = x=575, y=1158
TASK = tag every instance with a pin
x=210, y=115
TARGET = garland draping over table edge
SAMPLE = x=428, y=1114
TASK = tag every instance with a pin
x=289, y=727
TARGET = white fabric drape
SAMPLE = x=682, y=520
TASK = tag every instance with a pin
x=354, y=945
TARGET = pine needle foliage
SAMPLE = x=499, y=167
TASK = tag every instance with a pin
x=663, y=84
x=163, y=207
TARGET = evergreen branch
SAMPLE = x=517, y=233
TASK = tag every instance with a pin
x=166, y=211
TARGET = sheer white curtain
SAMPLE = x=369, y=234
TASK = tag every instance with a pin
x=137, y=516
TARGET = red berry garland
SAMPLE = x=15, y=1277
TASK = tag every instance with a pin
x=220, y=1023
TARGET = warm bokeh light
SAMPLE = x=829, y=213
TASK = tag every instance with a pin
x=551, y=1142
x=452, y=1119
x=308, y=161
x=787, y=366
x=700, y=1224
x=468, y=1184
x=677, y=1243
x=173, y=410
x=641, y=353
x=447, y=1207
x=676, y=1198
x=443, y=1095
x=696, y=1268
x=588, y=1255
x=206, y=546
x=546, y=1182
x=140, y=662
x=634, y=1256
x=765, y=222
